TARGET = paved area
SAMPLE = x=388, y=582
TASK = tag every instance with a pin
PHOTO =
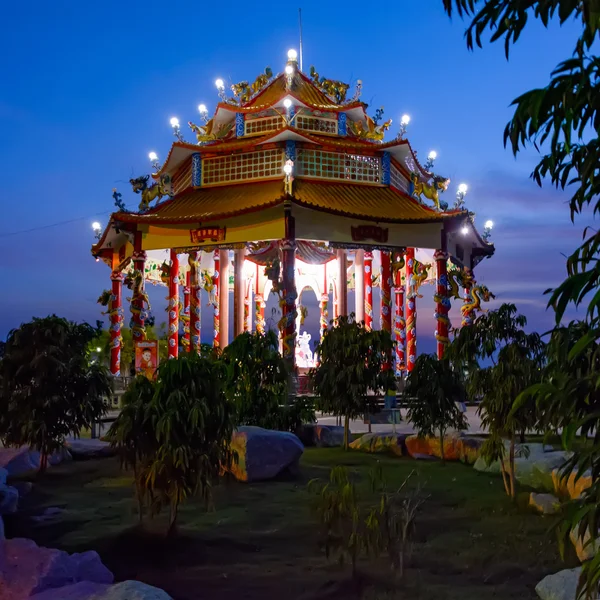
x=358, y=426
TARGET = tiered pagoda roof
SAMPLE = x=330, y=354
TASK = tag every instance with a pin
x=341, y=167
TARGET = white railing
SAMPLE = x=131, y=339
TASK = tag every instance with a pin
x=263, y=164
x=319, y=164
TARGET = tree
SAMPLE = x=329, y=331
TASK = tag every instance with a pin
x=193, y=424
x=518, y=367
x=563, y=119
x=132, y=434
x=437, y=389
x=256, y=378
x=49, y=388
x=352, y=363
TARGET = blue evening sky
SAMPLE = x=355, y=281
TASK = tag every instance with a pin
x=88, y=88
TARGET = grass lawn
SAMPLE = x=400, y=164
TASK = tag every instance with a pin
x=261, y=541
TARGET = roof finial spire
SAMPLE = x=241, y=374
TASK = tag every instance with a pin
x=300, y=25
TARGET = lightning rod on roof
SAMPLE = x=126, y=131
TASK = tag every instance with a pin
x=300, y=25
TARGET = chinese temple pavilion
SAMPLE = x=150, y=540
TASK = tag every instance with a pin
x=289, y=186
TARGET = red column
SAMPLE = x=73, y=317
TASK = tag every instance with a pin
x=468, y=314
x=174, y=305
x=115, y=313
x=289, y=295
x=185, y=314
x=247, y=320
x=216, y=315
x=399, y=322
x=442, y=302
x=195, y=308
x=411, y=311
x=139, y=300
x=368, y=290
x=386, y=291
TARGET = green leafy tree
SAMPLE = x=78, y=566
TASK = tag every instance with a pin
x=49, y=387
x=563, y=120
x=133, y=435
x=193, y=423
x=437, y=388
x=256, y=378
x=351, y=370
x=518, y=367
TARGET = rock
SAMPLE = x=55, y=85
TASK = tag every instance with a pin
x=468, y=448
x=570, y=486
x=381, y=442
x=584, y=547
x=418, y=446
x=28, y=569
x=560, y=586
x=535, y=470
x=133, y=590
x=86, y=590
x=23, y=460
x=23, y=487
x=83, y=590
x=545, y=504
x=9, y=499
x=89, y=448
x=264, y=453
x=322, y=436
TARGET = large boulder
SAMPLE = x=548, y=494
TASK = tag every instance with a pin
x=9, y=496
x=532, y=468
x=544, y=504
x=559, y=586
x=86, y=590
x=27, y=569
x=23, y=460
x=322, y=436
x=430, y=447
x=571, y=486
x=390, y=443
x=468, y=448
x=89, y=448
x=264, y=453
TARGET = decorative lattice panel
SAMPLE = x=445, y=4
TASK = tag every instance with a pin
x=183, y=178
x=316, y=124
x=334, y=165
x=264, y=164
x=398, y=180
x=262, y=125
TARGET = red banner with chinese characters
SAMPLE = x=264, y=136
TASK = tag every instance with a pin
x=207, y=234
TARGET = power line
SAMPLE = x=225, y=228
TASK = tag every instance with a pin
x=51, y=225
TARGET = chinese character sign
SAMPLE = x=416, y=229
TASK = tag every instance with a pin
x=146, y=358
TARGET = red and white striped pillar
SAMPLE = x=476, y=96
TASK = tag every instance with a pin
x=442, y=302
x=385, y=278
x=411, y=311
x=216, y=313
x=185, y=314
x=368, y=290
x=195, y=307
x=139, y=300
x=399, y=322
x=174, y=305
x=115, y=313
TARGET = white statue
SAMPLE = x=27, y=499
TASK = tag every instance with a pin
x=304, y=355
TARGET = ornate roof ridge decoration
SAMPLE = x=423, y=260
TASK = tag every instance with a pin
x=335, y=90
x=245, y=92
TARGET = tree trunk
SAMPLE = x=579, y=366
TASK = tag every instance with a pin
x=504, y=476
x=442, y=446
x=522, y=437
x=346, y=431
x=172, y=519
x=138, y=493
x=511, y=459
x=43, y=461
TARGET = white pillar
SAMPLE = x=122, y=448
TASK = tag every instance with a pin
x=224, y=297
x=359, y=285
x=239, y=289
x=342, y=283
